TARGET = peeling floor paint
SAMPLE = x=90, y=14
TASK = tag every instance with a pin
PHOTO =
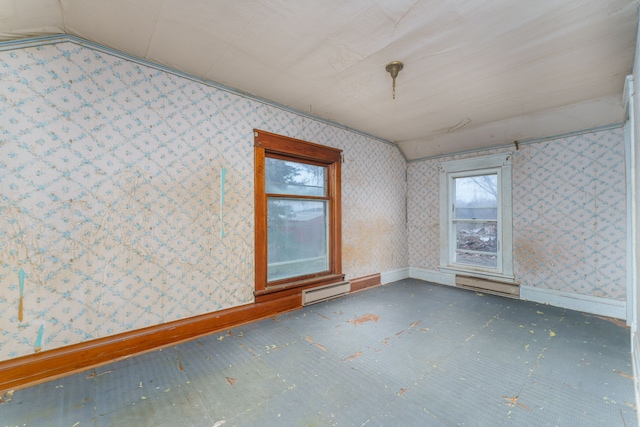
x=432, y=377
x=370, y=317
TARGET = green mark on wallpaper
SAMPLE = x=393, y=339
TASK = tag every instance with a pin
x=223, y=174
x=20, y=306
x=39, y=339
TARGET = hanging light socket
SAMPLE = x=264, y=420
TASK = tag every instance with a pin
x=394, y=68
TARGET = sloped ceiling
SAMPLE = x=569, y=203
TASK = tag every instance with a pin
x=478, y=73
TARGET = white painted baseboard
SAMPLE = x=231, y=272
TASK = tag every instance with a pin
x=635, y=361
x=588, y=304
x=432, y=276
x=394, y=275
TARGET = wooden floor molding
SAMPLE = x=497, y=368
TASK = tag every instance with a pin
x=365, y=282
x=45, y=366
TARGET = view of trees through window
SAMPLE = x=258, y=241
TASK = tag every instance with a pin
x=475, y=220
x=297, y=218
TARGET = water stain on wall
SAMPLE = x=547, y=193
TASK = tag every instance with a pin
x=111, y=195
x=568, y=214
x=368, y=242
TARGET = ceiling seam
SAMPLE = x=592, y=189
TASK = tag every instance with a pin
x=392, y=41
x=155, y=25
x=395, y=26
x=64, y=21
x=231, y=45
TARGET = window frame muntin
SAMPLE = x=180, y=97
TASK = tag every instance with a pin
x=475, y=166
x=267, y=144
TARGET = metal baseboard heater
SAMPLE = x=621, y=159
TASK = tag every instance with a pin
x=488, y=286
x=326, y=292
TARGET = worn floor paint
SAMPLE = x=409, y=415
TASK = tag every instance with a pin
x=408, y=353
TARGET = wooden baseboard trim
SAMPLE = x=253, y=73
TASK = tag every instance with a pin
x=48, y=365
x=365, y=282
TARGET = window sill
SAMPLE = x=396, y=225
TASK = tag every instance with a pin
x=290, y=288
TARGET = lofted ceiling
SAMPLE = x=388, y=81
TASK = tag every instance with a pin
x=477, y=73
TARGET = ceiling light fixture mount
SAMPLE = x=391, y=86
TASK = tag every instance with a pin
x=394, y=68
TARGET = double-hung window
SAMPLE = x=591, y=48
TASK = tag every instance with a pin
x=298, y=222
x=476, y=217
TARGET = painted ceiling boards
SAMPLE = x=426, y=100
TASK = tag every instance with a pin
x=478, y=73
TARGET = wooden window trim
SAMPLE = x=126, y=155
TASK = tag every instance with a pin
x=267, y=144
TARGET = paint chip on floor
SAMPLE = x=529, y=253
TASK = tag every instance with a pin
x=320, y=346
x=623, y=374
x=369, y=317
x=358, y=354
x=94, y=374
x=513, y=401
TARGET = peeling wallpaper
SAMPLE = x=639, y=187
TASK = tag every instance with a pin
x=569, y=214
x=111, y=177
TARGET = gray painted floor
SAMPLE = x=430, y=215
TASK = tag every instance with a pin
x=404, y=354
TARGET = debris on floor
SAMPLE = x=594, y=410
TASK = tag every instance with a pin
x=503, y=376
x=6, y=397
x=513, y=401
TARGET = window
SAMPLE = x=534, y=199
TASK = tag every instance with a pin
x=475, y=217
x=298, y=221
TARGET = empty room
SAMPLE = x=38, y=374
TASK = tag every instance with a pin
x=319, y=213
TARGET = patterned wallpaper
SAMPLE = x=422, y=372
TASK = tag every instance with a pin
x=127, y=200
x=569, y=214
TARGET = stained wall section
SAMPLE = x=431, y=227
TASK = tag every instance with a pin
x=569, y=214
x=126, y=195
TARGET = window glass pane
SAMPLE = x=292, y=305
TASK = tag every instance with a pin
x=297, y=238
x=298, y=179
x=476, y=197
x=477, y=260
x=477, y=243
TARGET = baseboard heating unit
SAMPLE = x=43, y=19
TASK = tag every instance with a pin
x=478, y=284
x=326, y=292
